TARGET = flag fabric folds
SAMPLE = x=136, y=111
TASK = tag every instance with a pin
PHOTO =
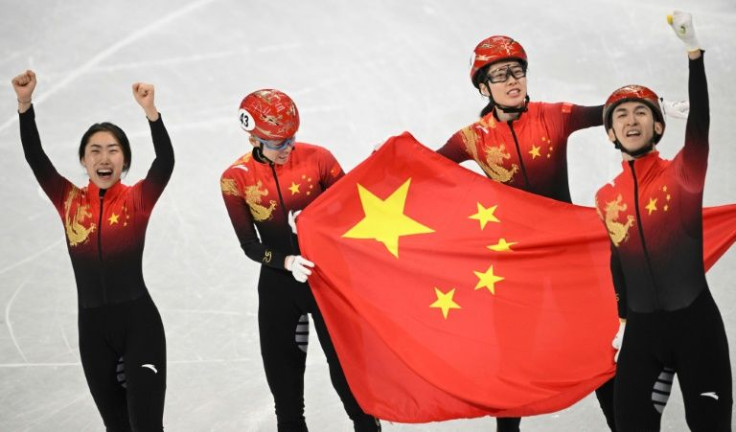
x=448, y=295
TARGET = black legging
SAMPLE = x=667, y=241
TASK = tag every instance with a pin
x=281, y=302
x=133, y=330
x=508, y=424
x=692, y=341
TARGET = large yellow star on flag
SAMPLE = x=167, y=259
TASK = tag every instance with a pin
x=502, y=246
x=294, y=188
x=445, y=301
x=113, y=219
x=485, y=215
x=385, y=220
x=487, y=280
x=535, y=151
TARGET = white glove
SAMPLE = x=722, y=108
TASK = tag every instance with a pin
x=682, y=24
x=676, y=109
x=292, y=219
x=299, y=267
x=618, y=340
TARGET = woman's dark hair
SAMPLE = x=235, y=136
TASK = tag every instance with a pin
x=119, y=135
x=478, y=78
x=487, y=109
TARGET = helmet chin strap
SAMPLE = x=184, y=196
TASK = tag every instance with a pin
x=512, y=110
x=258, y=153
x=635, y=153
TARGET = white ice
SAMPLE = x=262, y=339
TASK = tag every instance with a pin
x=360, y=71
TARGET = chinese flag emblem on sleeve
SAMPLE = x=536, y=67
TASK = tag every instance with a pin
x=448, y=295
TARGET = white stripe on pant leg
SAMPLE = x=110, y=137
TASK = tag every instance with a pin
x=662, y=389
x=120, y=372
x=301, y=335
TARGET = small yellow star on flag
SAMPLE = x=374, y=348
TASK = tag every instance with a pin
x=445, y=301
x=485, y=215
x=502, y=246
x=385, y=220
x=487, y=280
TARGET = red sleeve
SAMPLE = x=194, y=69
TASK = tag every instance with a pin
x=617, y=273
x=244, y=225
x=454, y=149
x=330, y=170
x=578, y=117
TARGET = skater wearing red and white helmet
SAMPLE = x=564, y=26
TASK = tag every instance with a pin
x=264, y=190
x=520, y=143
x=652, y=212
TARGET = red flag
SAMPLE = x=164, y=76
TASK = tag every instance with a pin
x=448, y=295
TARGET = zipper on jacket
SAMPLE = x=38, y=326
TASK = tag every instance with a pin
x=641, y=236
x=283, y=208
x=99, y=248
x=518, y=152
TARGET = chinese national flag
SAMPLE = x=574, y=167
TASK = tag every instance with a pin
x=448, y=295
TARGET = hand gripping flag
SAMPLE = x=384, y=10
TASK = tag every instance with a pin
x=448, y=295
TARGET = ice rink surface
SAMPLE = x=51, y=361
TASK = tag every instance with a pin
x=360, y=71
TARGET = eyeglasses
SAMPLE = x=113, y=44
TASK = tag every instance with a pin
x=502, y=74
x=276, y=145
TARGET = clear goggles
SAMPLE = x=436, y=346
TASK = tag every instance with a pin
x=275, y=144
x=502, y=74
